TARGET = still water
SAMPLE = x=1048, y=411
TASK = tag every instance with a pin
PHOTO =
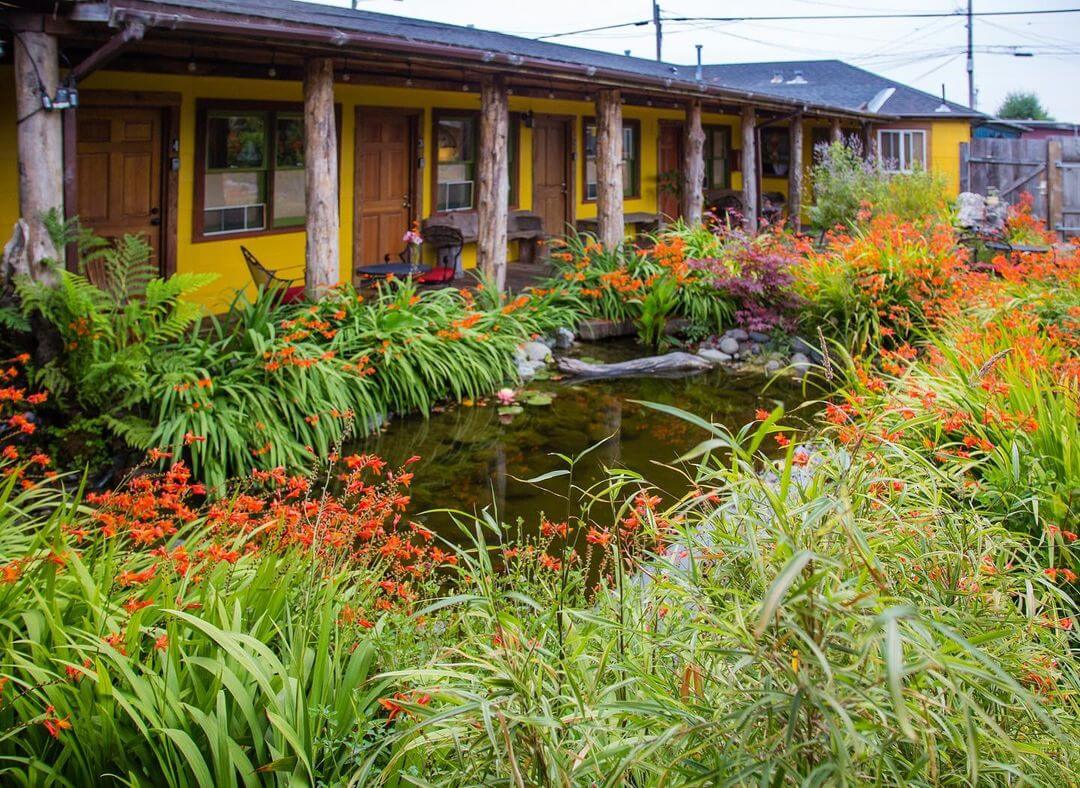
x=472, y=459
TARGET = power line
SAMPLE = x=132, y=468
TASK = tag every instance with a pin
x=641, y=23
x=836, y=17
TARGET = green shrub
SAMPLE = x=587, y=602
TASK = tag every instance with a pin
x=849, y=188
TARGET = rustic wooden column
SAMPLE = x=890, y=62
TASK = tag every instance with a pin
x=693, y=165
x=750, y=168
x=869, y=140
x=494, y=177
x=322, y=252
x=836, y=134
x=40, y=144
x=609, y=174
x=795, y=172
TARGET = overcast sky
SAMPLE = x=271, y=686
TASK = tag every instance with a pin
x=921, y=52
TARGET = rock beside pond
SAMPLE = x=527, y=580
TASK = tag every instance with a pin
x=758, y=337
x=800, y=346
x=536, y=351
x=729, y=345
x=564, y=338
x=738, y=334
x=715, y=356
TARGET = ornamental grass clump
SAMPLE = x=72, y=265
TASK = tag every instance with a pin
x=852, y=621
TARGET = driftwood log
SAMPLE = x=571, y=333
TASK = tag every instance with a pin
x=668, y=364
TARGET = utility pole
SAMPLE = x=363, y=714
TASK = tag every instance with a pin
x=970, y=58
x=659, y=31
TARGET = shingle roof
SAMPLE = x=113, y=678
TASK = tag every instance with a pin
x=503, y=48
x=833, y=82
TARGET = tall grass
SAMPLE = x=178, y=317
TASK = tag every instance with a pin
x=851, y=622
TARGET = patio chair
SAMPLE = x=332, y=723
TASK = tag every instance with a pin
x=447, y=243
x=269, y=280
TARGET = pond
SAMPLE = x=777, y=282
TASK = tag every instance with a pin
x=472, y=459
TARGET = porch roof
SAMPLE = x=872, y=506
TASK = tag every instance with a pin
x=349, y=33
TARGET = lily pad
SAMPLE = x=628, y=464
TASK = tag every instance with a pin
x=537, y=398
x=510, y=410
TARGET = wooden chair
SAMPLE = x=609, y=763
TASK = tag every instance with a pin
x=268, y=280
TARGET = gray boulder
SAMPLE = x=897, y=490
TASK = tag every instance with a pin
x=772, y=366
x=729, y=345
x=536, y=351
x=757, y=336
x=564, y=338
x=714, y=356
x=738, y=334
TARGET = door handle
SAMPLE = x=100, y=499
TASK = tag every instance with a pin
x=406, y=202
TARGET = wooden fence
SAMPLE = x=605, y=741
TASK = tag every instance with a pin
x=1049, y=170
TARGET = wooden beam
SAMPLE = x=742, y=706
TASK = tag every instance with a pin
x=609, y=173
x=694, y=164
x=750, y=168
x=40, y=144
x=795, y=173
x=494, y=177
x=109, y=51
x=322, y=252
x=836, y=134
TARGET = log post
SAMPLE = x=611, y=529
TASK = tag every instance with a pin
x=795, y=172
x=869, y=142
x=750, y=168
x=494, y=177
x=322, y=251
x=836, y=134
x=40, y=147
x=694, y=165
x=609, y=173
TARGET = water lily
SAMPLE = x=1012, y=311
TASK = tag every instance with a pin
x=506, y=396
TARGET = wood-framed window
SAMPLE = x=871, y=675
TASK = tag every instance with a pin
x=717, y=157
x=631, y=158
x=457, y=154
x=457, y=150
x=902, y=150
x=249, y=176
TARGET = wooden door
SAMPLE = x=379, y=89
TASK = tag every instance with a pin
x=551, y=173
x=119, y=173
x=385, y=191
x=670, y=167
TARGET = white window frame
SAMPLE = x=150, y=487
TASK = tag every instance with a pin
x=900, y=165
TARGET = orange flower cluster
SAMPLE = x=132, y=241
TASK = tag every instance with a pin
x=19, y=426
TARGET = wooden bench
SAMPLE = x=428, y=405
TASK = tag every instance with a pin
x=524, y=226
x=641, y=221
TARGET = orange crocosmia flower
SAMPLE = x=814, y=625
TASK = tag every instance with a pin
x=761, y=414
x=598, y=537
x=54, y=724
x=782, y=440
x=162, y=643
x=801, y=457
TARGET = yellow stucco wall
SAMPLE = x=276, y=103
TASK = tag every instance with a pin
x=286, y=250
x=945, y=139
